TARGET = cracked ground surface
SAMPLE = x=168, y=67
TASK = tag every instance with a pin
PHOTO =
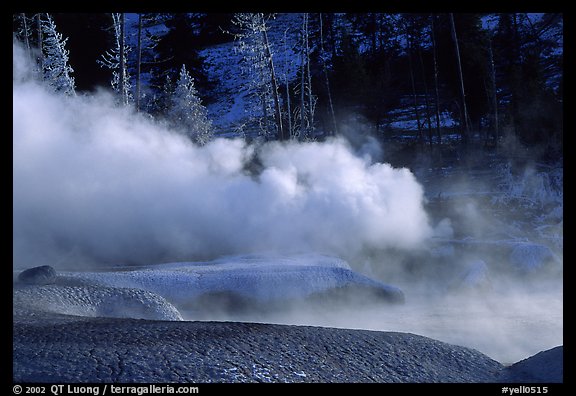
x=58, y=348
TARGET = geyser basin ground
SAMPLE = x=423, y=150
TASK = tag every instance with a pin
x=59, y=348
x=152, y=350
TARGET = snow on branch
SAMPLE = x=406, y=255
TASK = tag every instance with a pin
x=56, y=70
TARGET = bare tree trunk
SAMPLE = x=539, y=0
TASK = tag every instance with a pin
x=268, y=54
x=40, y=44
x=330, y=104
x=488, y=100
x=516, y=56
x=121, y=83
x=309, y=78
x=494, y=93
x=26, y=32
x=436, y=83
x=287, y=86
x=332, y=35
x=302, y=82
x=265, y=113
x=138, y=62
x=414, y=96
x=306, y=97
x=466, y=132
x=429, y=123
x=371, y=17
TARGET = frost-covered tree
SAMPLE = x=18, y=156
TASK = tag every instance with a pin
x=116, y=60
x=186, y=111
x=254, y=46
x=175, y=38
x=55, y=68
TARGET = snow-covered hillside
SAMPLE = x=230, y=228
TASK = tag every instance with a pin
x=234, y=103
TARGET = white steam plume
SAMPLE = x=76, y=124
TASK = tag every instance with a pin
x=96, y=183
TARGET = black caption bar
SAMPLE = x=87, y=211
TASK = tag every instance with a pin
x=105, y=389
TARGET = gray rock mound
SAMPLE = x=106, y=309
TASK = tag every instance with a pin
x=546, y=366
x=43, y=275
x=248, y=283
x=95, y=301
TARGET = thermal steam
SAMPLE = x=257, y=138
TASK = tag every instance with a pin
x=96, y=183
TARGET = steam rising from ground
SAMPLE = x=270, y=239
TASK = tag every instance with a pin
x=95, y=183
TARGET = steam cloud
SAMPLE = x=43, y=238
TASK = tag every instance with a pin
x=95, y=183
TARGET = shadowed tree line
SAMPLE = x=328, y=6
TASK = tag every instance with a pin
x=498, y=75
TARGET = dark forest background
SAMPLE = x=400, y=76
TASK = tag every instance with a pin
x=499, y=76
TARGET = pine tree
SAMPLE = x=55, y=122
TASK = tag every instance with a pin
x=180, y=44
x=187, y=112
x=531, y=108
x=116, y=61
x=55, y=67
x=349, y=74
